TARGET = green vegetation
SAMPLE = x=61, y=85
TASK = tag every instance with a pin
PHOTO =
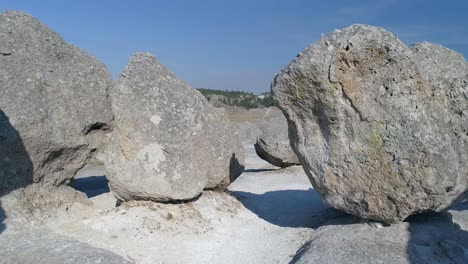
x=237, y=98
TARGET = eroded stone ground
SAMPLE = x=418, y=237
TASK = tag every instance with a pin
x=265, y=217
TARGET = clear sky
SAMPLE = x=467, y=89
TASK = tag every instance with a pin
x=240, y=44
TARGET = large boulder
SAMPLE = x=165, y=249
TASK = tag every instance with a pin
x=54, y=104
x=169, y=143
x=273, y=144
x=379, y=127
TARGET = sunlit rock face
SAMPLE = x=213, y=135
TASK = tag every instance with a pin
x=380, y=127
x=169, y=143
x=54, y=104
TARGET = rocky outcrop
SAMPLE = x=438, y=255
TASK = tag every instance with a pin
x=273, y=144
x=379, y=127
x=438, y=238
x=43, y=247
x=169, y=143
x=54, y=104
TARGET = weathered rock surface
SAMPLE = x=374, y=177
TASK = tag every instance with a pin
x=35, y=203
x=273, y=144
x=53, y=104
x=48, y=248
x=439, y=238
x=379, y=127
x=447, y=73
x=16, y=168
x=276, y=150
x=169, y=143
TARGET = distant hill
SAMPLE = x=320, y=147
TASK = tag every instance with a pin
x=237, y=98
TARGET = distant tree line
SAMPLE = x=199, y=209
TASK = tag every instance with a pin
x=246, y=100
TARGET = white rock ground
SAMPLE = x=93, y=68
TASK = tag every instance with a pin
x=265, y=217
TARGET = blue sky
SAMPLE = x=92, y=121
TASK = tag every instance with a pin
x=235, y=45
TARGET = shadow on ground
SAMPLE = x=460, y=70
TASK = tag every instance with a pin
x=92, y=186
x=438, y=238
x=288, y=208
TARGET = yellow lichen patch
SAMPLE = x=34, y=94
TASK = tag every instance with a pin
x=374, y=140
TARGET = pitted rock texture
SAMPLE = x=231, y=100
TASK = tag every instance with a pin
x=379, y=127
x=53, y=98
x=169, y=143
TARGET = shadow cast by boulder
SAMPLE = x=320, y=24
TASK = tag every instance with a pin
x=437, y=237
x=288, y=208
x=92, y=186
x=235, y=168
x=460, y=207
x=423, y=238
x=16, y=167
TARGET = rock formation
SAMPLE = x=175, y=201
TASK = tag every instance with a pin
x=379, y=127
x=37, y=203
x=273, y=144
x=53, y=103
x=169, y=143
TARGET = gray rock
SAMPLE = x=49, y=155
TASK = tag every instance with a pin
x=37, y=202
x=53, y=103
x=379, y=127
x=169, y=143
x=43, y=247
x=16, y=168
x=276, y=150
x=424, y=239
x=273, y=144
